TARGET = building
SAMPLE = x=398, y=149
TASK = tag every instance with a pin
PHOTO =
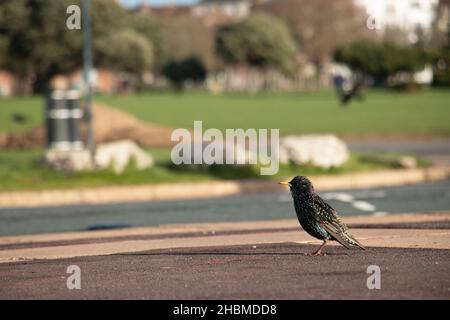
x=443, y=16
x=411, y=16
x=103, y=81
x=234, y=9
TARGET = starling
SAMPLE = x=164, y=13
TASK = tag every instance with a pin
x=317, y=217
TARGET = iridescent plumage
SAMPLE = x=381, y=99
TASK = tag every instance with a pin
x=317, y=217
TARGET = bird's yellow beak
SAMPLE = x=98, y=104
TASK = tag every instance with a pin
x=284, y=183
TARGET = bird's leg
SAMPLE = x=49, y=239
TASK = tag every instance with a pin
x=319, y=251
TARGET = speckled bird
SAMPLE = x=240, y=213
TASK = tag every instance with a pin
x=317, y=217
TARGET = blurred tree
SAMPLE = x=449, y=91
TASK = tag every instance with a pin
x=230, y=44
x=319, y=26
x=4, y=44
x=186, y=37
x=151, y=28
x=125, y=50
x=364, y=56
x=261, y=40
x=37, y=44
x=440, y=27
x=13, y=19
x=178, y=72
x=18, y=39
x=442, y=63
x=380, y=60
x=53, y=48
x=397, y=35
x=442, y=69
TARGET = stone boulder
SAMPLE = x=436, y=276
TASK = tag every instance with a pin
x=68, y=161
x=118, y=155
x=324, y=151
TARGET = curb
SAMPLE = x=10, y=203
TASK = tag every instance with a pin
x=172, y=191
x=385, y=238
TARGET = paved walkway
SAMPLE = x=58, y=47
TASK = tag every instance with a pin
x=266, y=271
x=253, y=260
x=68, y=245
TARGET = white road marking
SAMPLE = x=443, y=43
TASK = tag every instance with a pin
x=351, y=199
x=363, y=206
x=343, y=197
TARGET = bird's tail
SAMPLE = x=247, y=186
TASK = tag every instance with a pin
x=356, y=243
x=346, y=239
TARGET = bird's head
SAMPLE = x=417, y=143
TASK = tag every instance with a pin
x=299, y=185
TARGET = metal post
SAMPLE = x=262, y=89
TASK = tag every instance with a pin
x=87, y=61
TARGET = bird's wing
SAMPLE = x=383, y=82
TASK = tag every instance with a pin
x=329, y=220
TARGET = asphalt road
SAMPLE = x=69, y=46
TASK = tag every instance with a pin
x=380, y=201
x=271, y=271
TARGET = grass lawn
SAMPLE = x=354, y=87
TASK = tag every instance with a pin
x=22, y=170
x=30, y=107
x=382, y=113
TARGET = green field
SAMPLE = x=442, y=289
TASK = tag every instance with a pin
x=30, y=107
x=382, y=113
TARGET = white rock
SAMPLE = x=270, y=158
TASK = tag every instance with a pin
x=408, y=162
x=68, y=161
x=118, y=154
x=323, y=151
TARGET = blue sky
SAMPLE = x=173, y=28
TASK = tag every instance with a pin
x=132, y=3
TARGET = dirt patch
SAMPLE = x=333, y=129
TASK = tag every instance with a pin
x=109, y=125
x=31, y=139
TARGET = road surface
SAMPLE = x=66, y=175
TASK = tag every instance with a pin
x=271, y=271
x=379, y=201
